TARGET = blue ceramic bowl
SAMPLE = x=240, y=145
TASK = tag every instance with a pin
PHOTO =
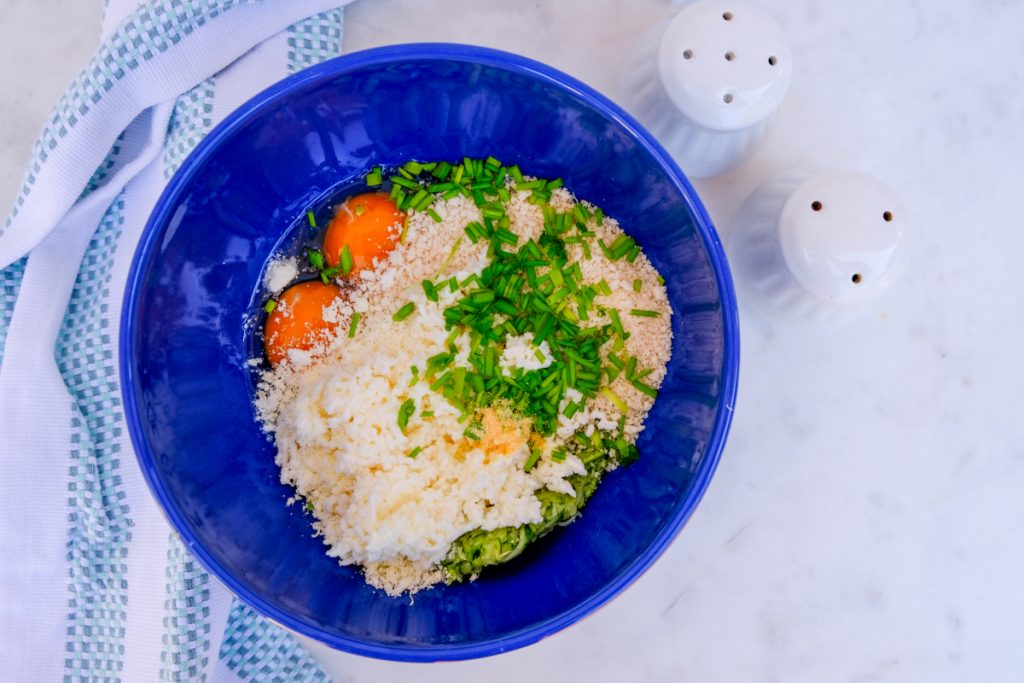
x=193, y=292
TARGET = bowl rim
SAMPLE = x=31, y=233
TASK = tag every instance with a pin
x=145, y=252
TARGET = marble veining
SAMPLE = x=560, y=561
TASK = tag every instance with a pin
x=862, y=525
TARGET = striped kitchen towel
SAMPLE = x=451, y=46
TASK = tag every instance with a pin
x=96, y=586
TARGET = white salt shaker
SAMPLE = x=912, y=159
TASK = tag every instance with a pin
x=707, y=82
x=815, y=245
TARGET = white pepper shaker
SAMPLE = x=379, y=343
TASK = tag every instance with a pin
x=707, y=82
x=815, y=245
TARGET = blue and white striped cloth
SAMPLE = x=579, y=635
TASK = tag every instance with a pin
x=94, y=585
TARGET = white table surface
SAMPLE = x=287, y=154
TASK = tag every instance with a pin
x=864, y=523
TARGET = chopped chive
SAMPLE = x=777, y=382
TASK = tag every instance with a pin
x=507, y=236
x=415, y=376
x=328, y=274
x=442, y=170
x=630, y=368
x=414, y=452
x=638, y=284
x=353, y=325
x=642, y=313
x=346, y=260
x=616, y=323
x=405, y=411
x=459, y=380
x=579, y=215
x=311, y=218
x=441, y=381
x=405, y=229
x=644, y=388
x=633, y=253
x=375, y=177
x=270, y=306
x=427, y=413
x=452, y=336
x=360, y=209
x=413, y=167
x=554, y=184
x=405, y=182
x=558, y=455
x=423, y=201
x=434, y=214
x=599, y=216
x=614, y=398
x=604, y=287
x=506, y=307
x=308, y=506
x=451, y=255
x=532, y=460
x=404, y=312
x=621, y=246
x=316, y=258
x=661, y=280
x=482, y=296
x=420, y=195
x=612, y=372
x=429, y=290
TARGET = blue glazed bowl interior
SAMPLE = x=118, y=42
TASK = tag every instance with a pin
x=194, y=293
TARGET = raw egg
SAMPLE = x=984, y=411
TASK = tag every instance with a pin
x=297, y=321
x=369, y=224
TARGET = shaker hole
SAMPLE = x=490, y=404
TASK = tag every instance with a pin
x=772, y=61
x=727, y=16
x=816, y=205
x=730, y=55
x=687, y=54
x=887, y=216
x=856, y=278
x=728, y=98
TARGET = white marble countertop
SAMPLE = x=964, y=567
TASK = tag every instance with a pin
x=863, y=523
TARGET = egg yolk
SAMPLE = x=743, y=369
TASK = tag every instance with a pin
x=297, y=321
x=369, y=224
